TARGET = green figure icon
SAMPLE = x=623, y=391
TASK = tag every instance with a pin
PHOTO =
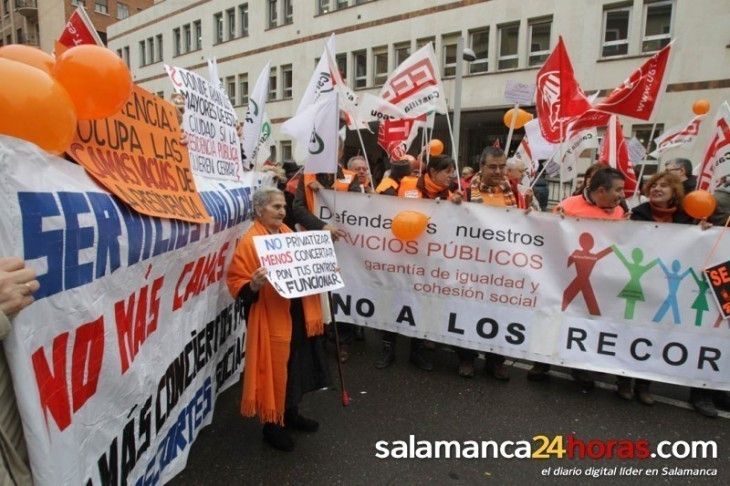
x=633, y=292
x=700, y=304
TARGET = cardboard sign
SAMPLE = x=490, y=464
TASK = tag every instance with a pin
x=136, y=154
x=719, y=279
x=520, y=93
x=300, y=264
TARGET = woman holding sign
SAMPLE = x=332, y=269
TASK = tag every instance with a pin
x=284, y=353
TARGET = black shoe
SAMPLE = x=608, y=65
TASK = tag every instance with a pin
x=625, y=388
x=387, y=356
x=722, y=400
x=538, y=372
x=278, y=437
x=294, y=420
x=420, y=360
x=498, y=371
x=704, y=405
x=466, y=369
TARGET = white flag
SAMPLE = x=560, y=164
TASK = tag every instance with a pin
x=321, y=81
x=565, y=165
x=215, y=79
x=524, y=154
x=265, y=142
x=715, y=168
x=315, y=135
x=375, y=109
x=255, y=116
x=348, y=100
x=680, y=136
x=415, y=85
x=541, y=148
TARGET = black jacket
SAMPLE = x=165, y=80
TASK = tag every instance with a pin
x=642, y=212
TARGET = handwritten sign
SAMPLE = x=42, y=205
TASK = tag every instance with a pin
x=520, y=93
x=136, y=154
x=719, y=278
x=209, y=122
x=300, y=264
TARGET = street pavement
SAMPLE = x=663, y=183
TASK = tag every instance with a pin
x=392, y=404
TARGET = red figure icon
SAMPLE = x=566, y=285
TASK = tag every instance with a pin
x=584, y=262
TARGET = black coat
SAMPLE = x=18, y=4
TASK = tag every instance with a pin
x=642, y=212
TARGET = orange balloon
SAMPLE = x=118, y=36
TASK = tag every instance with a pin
x=97, y=80
x=409, y=225
x=522, y=117
x=35, y=107
x=435, y=147
x=700, y=107
x=32, y=56
x=699, y=204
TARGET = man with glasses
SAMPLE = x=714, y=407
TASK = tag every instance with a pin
x=359, y=166
x=682, y=168
x=491, y=187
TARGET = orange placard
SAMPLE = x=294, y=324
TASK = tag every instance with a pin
x=136, y=154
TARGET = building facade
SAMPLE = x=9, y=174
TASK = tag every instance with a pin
x=606, y=41
x=39, y=22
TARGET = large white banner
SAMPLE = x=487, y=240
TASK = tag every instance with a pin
x=618, y=297
x=209, y=122
x=118, y=362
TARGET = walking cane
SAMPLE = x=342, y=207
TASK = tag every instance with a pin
x=345, y=397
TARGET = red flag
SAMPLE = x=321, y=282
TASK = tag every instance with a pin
x=589, y=119
x=716, y=164
x=615, y=153
x=395, y=136
x=78, y=30
x=558, y=95
x=637, y=96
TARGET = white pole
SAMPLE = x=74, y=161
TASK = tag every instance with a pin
x=511, y=129
x=456, y=161
x=637, y=194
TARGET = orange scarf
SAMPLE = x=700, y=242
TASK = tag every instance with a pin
x=269, y=329
x=431, y=190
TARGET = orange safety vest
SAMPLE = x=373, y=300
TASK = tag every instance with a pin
x=385, y=184
x=409, y=189
x=340, y=185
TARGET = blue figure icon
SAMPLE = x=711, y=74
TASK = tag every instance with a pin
x=674, y=278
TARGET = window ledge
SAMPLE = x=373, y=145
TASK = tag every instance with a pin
x=626, y=56
x=188, y=52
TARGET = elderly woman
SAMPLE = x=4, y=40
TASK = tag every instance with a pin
x=284, y=354
x=665, y=193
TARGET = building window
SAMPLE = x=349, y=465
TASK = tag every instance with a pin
x=142, y=53
x=288, y=12
x=449, y=58
x=231, y=21
x=657, y=25
x=272, y=86
x=272, y=13
x=341, y=60
x=361, y=69
x=643, y=132
x=186, y=37
x=159, y=47
x=218, y=27
x=176, y=41
x=401, y=51
x=615, y=32
x=122, y=11
x=422, y=42
x=538, y=41
x=479, y=42
x=508, y=37
x=231, y=88
x=197, y=35
x=286, y=81
x=243, y=18
x=380, y=65
x=150, y=50
x=285, y=149
x=341, y=4
x=243, y=89
x=323, y=6
x=101, y=6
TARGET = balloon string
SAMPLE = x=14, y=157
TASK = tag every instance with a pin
x=717, y=242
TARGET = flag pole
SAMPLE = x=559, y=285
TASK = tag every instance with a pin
x=512, y=123
x=561, y=191
x=637, y=194
x=451, y=134
x=364, y=152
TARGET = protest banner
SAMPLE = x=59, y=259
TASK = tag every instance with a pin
x=136, y=154
x=133, y=334
x=519, y=93
x=580, y=293
x=299, y=264
x=209, y=122
x=719, y=277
